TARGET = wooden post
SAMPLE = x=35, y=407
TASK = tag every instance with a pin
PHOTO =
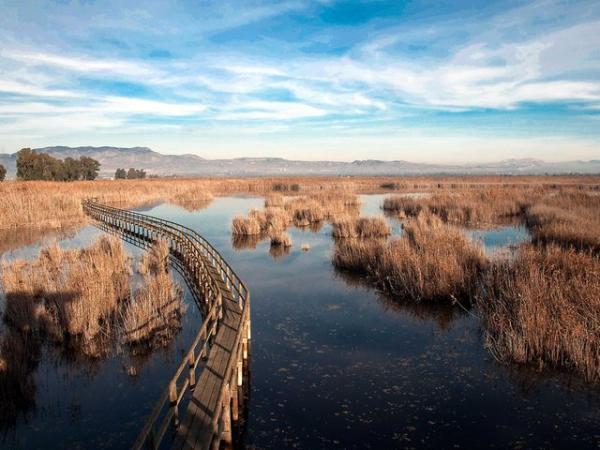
x=226, y=433
x=192, y=363
x=173, y=402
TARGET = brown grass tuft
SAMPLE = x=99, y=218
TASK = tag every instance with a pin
x=363, y=227
x=243, y=226
x=431, y=261
x=281, y=239
x=156, y=308
x=544, y=308
x=68, y=293
x=570, y=219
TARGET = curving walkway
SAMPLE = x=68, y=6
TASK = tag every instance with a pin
x=214, y=372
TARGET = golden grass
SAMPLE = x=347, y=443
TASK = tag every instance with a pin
x=154, y=311
x=363, y=227
x=279, y=239
x=191, y=198
x=67, y=294
x=468, y=207
x=242, y=226
x=431, y=261
x=544, y=308
x=52, y=204
x=568, y=218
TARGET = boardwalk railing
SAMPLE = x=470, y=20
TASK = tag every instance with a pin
x=214, y=369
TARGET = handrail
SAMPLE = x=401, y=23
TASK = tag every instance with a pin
x=196, y=256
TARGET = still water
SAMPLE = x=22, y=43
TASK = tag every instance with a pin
x=335, y=364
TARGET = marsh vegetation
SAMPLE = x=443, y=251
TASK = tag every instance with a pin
x=404, y=276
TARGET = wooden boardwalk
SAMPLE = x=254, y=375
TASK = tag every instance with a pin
x=213, y=374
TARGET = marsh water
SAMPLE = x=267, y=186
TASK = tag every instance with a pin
x=334, y=364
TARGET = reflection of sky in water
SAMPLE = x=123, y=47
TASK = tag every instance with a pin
x=336, y=365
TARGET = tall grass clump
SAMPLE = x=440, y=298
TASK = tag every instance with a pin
x=155, y=309
x=363, y=227
x=466, y=207
x=570, y=219
x=243, y=226
x=431, y=261
x=543, y=308
x=68, y=294
x=191, y=198
x=279, y=239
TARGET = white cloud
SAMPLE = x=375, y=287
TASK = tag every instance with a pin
x=79, y=64
x=15, y=87
x=263, y=110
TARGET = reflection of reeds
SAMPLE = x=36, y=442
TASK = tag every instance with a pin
x=431, y=261
x=279, y=251
x=246, y=242
x=155, y=310
x=544, y=308
x=19, y=356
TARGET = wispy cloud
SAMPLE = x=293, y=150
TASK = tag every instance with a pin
x=280, y=67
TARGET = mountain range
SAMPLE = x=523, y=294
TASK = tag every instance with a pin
x=153, y=162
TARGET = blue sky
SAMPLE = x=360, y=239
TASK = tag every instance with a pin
x=431, y=81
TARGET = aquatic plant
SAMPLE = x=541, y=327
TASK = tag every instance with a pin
x=569, y=218
x=279, y=239
x=543, y=308
x=431, y=261
x=154, y=311
x=363, y=227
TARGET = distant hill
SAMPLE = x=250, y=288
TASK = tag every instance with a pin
x=153, y=162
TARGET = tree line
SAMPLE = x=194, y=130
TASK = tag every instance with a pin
x=131, y=174
x=32, y=165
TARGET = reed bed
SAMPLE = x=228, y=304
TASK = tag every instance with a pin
x=52, y=204
x=154, y=312
x=570, y=219
x=301, y=211
x=467, y=207
x=432, y=261
x=543, y=308
x=82, y=298
x=192, y=198
x=68, y=294
x=279, y=239
x=363, y=227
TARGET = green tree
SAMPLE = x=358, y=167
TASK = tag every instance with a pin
x=25, y=164
x=2, y=172
x=89, y=168
x=71, y=169
x=133, y=174
x=41, y=166
x=120, y=174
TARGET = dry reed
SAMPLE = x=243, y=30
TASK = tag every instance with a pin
x=571, y=219
x=154, y=312
x=544, y=308
x=431, y=261
x=68, y=294
x=363, y=227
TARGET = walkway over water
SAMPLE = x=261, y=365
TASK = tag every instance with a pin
x=215, y=369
